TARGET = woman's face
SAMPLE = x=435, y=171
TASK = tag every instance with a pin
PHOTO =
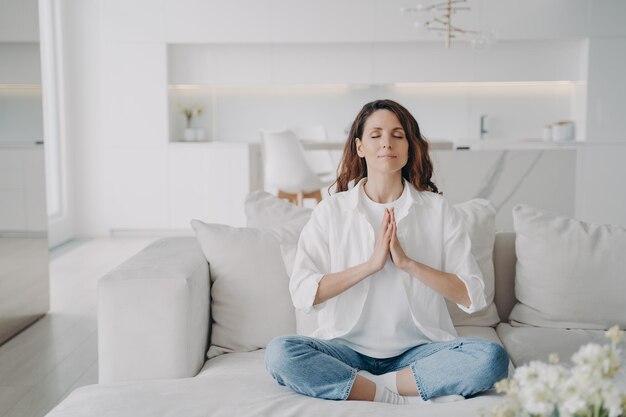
x=384, y=144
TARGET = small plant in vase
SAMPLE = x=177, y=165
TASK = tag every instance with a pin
x=190, y=133
x=199, y=132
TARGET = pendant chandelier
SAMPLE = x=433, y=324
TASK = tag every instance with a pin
x=437, y=18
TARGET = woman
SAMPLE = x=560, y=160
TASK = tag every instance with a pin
x=376, y=262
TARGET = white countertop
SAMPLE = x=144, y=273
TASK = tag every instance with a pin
x=520, y=144
x=20, y=144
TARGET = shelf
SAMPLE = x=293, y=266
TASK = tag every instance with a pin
x=20, y=86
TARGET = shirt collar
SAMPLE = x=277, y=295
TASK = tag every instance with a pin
x=353, y=201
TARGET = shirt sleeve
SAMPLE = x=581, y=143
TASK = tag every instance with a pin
x=458, y=258
x=312, y=261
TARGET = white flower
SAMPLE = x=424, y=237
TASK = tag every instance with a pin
x=595, y=359
x=553, y=358
x=615, y=334
x=540, y=389
x=538, y=386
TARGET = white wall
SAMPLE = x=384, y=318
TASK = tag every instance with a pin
x=20, y=63
x=19, y=21
x=601, y=193
x=601, y=196
x=83, y=78
x=116, y=59
x=606, y=89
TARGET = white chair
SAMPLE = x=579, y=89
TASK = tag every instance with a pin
x=287, y=169
x=321, y=161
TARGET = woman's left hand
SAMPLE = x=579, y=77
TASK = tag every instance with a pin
x=398, y=256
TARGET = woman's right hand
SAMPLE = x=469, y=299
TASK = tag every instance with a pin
x=381, y=247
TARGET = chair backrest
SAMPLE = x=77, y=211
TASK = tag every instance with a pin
x=285, y=166
x=504, y=260
x=320, y=161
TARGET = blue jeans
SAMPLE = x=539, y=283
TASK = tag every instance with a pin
x=327, y=369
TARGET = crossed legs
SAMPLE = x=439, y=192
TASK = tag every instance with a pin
x=326, y=369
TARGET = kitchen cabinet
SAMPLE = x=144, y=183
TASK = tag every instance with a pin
x=209, y=181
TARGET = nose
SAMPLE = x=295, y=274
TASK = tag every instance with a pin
x=386, y=141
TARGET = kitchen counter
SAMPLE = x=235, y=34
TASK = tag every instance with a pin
x=20, y=145
x=519, y=144
x=448, y=145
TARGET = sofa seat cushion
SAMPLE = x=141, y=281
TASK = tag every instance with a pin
x=537, y=343
x=237, y=384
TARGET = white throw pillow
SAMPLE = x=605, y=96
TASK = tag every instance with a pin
x=569, y=273
x=479, y=217
x=265, y=210
x=250, y=300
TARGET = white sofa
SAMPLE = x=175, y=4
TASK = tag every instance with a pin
x=154, y=325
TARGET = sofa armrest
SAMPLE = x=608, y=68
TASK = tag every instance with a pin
x=153, y=313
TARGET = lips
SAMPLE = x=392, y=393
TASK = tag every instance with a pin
x=387, y=156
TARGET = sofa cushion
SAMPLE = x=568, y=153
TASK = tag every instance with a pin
x=265, y=211
x=238, y=384
x=537, y=343
x=250, y=301
x=484, y=332
x=569, y=273
x=479, y=217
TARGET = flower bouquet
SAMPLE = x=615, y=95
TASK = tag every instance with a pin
x=587, y=389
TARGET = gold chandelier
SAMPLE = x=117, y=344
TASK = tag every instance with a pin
x=438, y=18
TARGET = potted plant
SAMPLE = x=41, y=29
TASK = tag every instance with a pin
x=189, y=132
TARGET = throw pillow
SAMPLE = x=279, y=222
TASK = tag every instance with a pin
x=479, y=216
x=569, y=273
x=265, y=210
x=250, y=300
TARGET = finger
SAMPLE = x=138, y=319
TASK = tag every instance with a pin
x=385, y=219
x=388, y=232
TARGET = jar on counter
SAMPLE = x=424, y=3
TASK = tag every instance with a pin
x=563, y=130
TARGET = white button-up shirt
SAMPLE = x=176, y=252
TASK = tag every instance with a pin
x=339, y=236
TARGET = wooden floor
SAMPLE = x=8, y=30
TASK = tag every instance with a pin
x=41, y=365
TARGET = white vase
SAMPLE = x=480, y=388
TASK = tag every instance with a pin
x=189, y=134
x=563, y=131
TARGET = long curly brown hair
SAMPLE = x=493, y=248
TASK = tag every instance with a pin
x=418, y=169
